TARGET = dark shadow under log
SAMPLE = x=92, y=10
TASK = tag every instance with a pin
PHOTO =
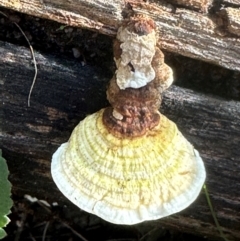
x=65, y=92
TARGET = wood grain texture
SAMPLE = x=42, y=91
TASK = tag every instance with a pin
x=65, y=92
x=233, y=20
x=235, y=2
x=200, y=35
x=202, y=5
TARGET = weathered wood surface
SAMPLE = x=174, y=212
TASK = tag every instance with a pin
x=202, y=29
x=65, y=92
x=236, y=2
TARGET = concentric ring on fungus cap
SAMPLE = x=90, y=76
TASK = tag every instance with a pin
x=127, y=181
x=128, y=163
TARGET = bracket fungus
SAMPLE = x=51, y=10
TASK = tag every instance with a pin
x=129, y=163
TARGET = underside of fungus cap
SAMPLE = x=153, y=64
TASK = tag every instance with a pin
x=128, y=180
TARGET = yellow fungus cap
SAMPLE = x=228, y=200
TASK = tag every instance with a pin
x=128, y=180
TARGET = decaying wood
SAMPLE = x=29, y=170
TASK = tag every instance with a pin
x=202, y=5
x=233, y=20
x=66, y=92
x=204, y=35
x=236, y=2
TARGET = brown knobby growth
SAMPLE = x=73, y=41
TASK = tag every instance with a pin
x=133, y=111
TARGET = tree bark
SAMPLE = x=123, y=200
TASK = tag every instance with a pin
x=200, y=29
x=65, y=92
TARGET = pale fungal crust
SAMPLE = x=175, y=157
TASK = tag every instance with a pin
x=117, y=115
x=134, y=68
x=167, y=78
x=128, y=180
x=164, y=74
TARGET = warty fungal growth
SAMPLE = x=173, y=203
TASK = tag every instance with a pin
x=129, y=163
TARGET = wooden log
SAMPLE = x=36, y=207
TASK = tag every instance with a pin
x=202, y=5
x=66, y=91
x=233, y=20
x=204, y=35
x=235, y=2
